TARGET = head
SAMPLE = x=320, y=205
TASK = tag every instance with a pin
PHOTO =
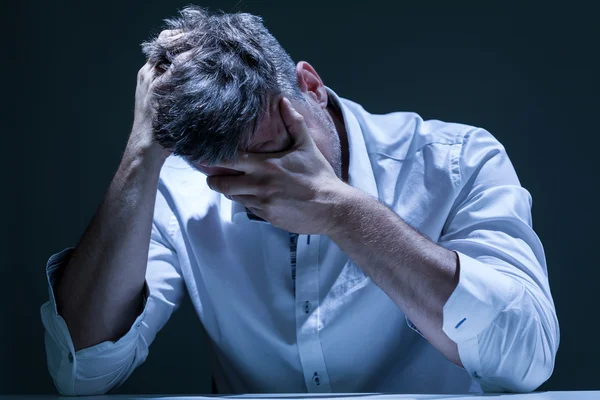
x=220, y=94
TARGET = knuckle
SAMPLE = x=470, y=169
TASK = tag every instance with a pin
x=264, y=200
x=163, y=34
x=167, y=33
x=272, y=165
x=264, y=183
x=271, y=192
x=183, y=57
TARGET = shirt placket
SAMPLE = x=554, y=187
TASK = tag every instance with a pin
x=307, y=315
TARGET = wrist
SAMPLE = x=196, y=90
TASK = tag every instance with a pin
x=345, y=198
x=141, y=144
x=149, y=157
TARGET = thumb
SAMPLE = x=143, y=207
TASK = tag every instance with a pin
x=295, y=124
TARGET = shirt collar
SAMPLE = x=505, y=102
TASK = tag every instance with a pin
x=360, y=171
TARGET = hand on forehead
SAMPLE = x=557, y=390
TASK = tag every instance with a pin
x=289, y=134
x=271, y=136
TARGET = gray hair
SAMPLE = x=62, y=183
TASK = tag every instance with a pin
x=215, y=95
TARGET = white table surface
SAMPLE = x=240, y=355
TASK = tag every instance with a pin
x=574, y=395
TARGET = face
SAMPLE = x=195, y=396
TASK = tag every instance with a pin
x=272, y=136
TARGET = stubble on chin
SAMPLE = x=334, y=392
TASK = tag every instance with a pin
x=334, y=143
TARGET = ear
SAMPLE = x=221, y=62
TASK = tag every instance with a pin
x=311, y=84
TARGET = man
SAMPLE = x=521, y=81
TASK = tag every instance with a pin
x=324, y=248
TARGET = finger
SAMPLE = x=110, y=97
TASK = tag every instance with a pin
x=170, y=34
x=146, y=68
x=159, y=74
x=233, y=185
x=146, y=73
x=247, y=201
x=294, y=122
x=165, y=66
x=162, y=72
x=246, y=162
x=259, y=212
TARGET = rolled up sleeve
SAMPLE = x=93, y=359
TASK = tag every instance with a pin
x=102, y=367
x=501, y=314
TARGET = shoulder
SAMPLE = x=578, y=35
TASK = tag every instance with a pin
x=402, y=134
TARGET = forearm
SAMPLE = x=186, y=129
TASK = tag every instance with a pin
x=99, y=293
x=417, y=274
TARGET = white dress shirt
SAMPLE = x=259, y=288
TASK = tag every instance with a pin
x=295, y=314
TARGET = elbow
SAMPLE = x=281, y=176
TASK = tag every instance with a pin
x=535, y=348
x=65, y=388
x=78, y=384
x=78, y=388
x=539, y=355
x=534, y=371
x=519, y=379
x=526, y=347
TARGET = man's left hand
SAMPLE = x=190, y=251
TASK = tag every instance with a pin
x=296, y=190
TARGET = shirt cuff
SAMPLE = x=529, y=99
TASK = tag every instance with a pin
x=481, y=294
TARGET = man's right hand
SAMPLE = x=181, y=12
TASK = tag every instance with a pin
x=141, y=139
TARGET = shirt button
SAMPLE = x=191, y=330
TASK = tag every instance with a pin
x=70, y=357
x=316, y=380
x=306, y=307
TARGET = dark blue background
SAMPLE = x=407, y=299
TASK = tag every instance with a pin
x=527, y=73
